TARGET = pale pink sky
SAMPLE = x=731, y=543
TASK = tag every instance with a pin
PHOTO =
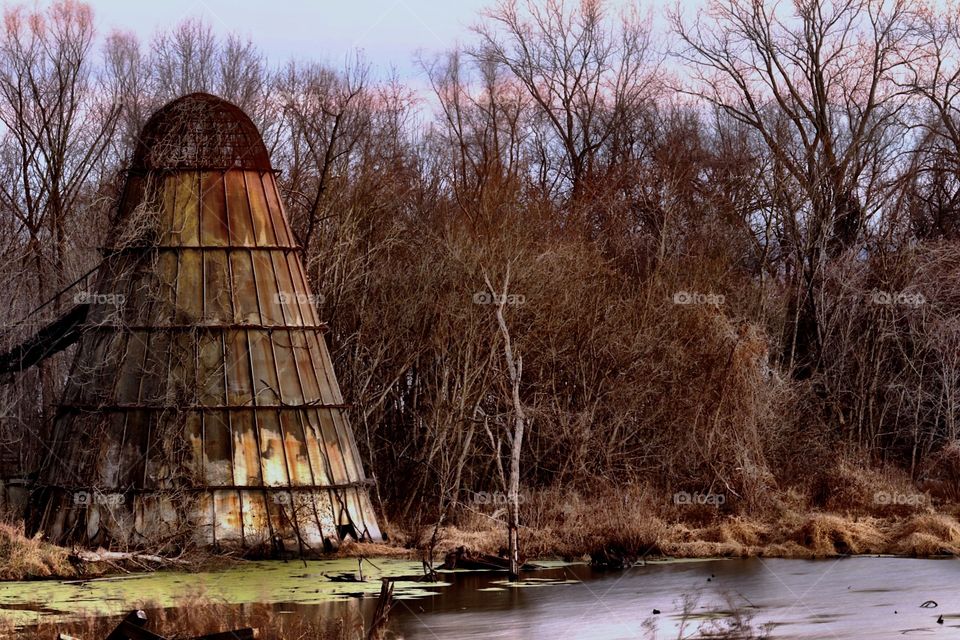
x=389, y=32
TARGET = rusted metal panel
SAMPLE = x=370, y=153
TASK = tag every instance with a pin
x=295, y=448
x=185, y=207
x=357, y=512
x=274, y=211
x=272, y=451
x=189, y=304
x=267, y=291
x=289, y=301
x=246, y=304
x=210, y=370
x=93, y=525
x=347, y=445
x=163, y=202
x=314, y=342
x=238, y=210
x=366, y=512
x=155, y=516
x=246, y=450
x=305, y=300
x=257, y=201
x=217, y=462
x=155, y=302
x=128, y=378
x=156, y=365
x=165, y=438
x=101, y=358
x=208, y=398
x=283, y=526
x=194, y=436
x=307, y=372
x=289, y=378
x=214, y=224
x=228, y=514
x=218, y=305
x=322, y=471
x=239, y=376
x=330, y=447
x=325, y=366
x=137, y=435
x=181, y=387
x=265, y=381
x=205, y=519
x=256, y=518
x=305, y=516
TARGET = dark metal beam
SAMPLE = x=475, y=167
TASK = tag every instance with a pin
x=55, y=337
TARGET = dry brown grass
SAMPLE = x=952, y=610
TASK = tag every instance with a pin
x=635, y=522
x=827, y=535
x=23, y=558
x=927, y=535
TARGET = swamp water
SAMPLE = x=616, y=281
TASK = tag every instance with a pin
x=848, y=598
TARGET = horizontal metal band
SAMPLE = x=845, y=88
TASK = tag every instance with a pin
x=172, y=170
x=197, y=247
x=358, y=484
x=200, y=408
x=101, y=326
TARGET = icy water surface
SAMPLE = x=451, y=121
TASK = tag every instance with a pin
x=850, y=598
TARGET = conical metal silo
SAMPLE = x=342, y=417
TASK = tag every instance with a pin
x=202, y=404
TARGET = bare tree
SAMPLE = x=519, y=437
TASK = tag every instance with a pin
x=184, y=59
x=55, y=133
x=514, y=428
x=586, y=72
x=328, y=114
x=817, y=83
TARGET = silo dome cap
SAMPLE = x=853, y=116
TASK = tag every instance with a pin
x=200, y=131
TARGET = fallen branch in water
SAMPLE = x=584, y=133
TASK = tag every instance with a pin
x=102, y=555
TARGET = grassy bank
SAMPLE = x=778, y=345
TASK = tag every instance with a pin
x=863, y=515
x=24, y=558
x=796, y=535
